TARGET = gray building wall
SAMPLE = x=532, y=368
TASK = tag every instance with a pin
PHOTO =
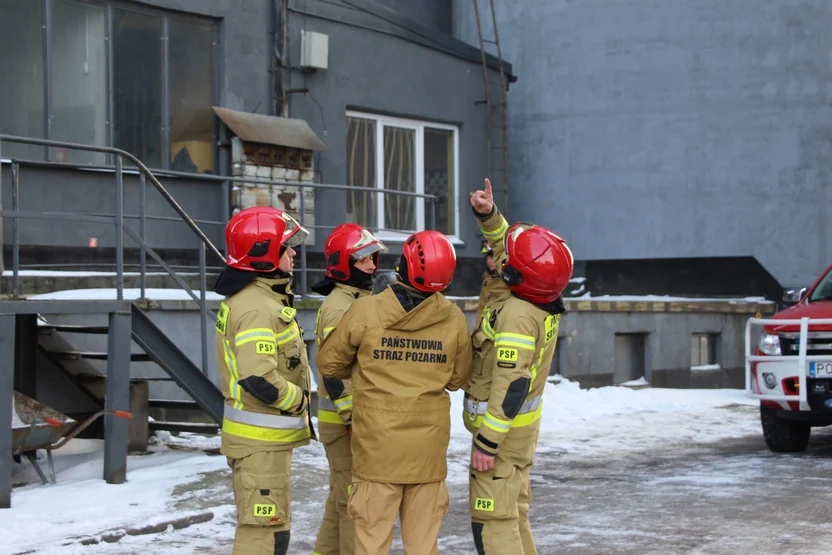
x=672, y=129
x=379, y=61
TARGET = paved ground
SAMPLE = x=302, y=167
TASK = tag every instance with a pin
x=719, y=497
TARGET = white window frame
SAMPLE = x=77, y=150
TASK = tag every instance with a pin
x=419, y=127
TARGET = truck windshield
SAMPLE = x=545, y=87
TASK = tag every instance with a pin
x=823, y=292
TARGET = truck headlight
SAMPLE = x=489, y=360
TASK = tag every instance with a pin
x=770, y=344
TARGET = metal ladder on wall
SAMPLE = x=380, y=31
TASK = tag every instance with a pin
x=496, y=109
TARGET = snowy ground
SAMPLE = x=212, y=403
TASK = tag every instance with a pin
x=617, y=471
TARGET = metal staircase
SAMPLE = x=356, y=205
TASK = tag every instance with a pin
x=24, y=340
x=496, y=104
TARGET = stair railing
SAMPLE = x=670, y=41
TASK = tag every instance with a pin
x=205, y=244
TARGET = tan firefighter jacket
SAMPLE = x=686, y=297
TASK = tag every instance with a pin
x=493, y=291
x=513, y=344
x=406, y=360
x=334, y=394
x=264, y=371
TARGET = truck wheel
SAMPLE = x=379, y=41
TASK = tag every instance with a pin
x=783, y=436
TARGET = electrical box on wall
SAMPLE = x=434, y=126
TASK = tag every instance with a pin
x=314, y=50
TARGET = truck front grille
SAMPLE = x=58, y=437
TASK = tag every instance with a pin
x=816, y=343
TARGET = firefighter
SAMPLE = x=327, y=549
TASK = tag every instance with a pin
x=503, y=397
x=265, y=375
x=411, y=344
x=351, y=254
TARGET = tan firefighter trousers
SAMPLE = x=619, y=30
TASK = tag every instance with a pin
x=262, y=493
x=337, y=533
x=499, y=509
x=374, y=507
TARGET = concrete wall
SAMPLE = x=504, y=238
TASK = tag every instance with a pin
x=586, y=343
x=587, y=348
x=672, y=129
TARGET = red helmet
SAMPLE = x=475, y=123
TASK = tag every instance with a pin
x=539, y=264
x=254, y=237
x=349, y=242
x=431, y=261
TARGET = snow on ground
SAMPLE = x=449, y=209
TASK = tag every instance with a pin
x=616, y=420
x=178, y=480
x=81, y=503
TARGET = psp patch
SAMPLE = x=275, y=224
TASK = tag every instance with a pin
x=264, y=348
x=507, y=354
x=263, y=510
x=484, y=504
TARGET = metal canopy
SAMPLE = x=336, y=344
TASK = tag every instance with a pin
x=271, y=130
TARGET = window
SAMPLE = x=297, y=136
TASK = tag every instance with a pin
x=21, y=76
x=823, y=292
x=399, y=155
x=703, y=349
x=137, y=85
x=79, y=79
x=191, y=96
x=141, y=80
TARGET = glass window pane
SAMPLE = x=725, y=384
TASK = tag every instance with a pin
x=191, y=96
x=21, y=76
x=439, y=178
x=79, y=79
x=361, y=169
x=399, y=175
x=137, y=85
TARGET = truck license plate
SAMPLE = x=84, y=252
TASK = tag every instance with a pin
x=820, y=369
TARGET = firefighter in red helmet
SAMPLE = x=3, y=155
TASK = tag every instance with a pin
x=351, y=254
x=403, y=348
x=265, y=375
x=503, y=399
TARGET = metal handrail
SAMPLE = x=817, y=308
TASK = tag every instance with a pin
x=121, y=228
x=227, y=178
x=226, y=182
x=140, y=238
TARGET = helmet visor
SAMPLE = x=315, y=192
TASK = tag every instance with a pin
x=366, y=245
x=295, y=233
